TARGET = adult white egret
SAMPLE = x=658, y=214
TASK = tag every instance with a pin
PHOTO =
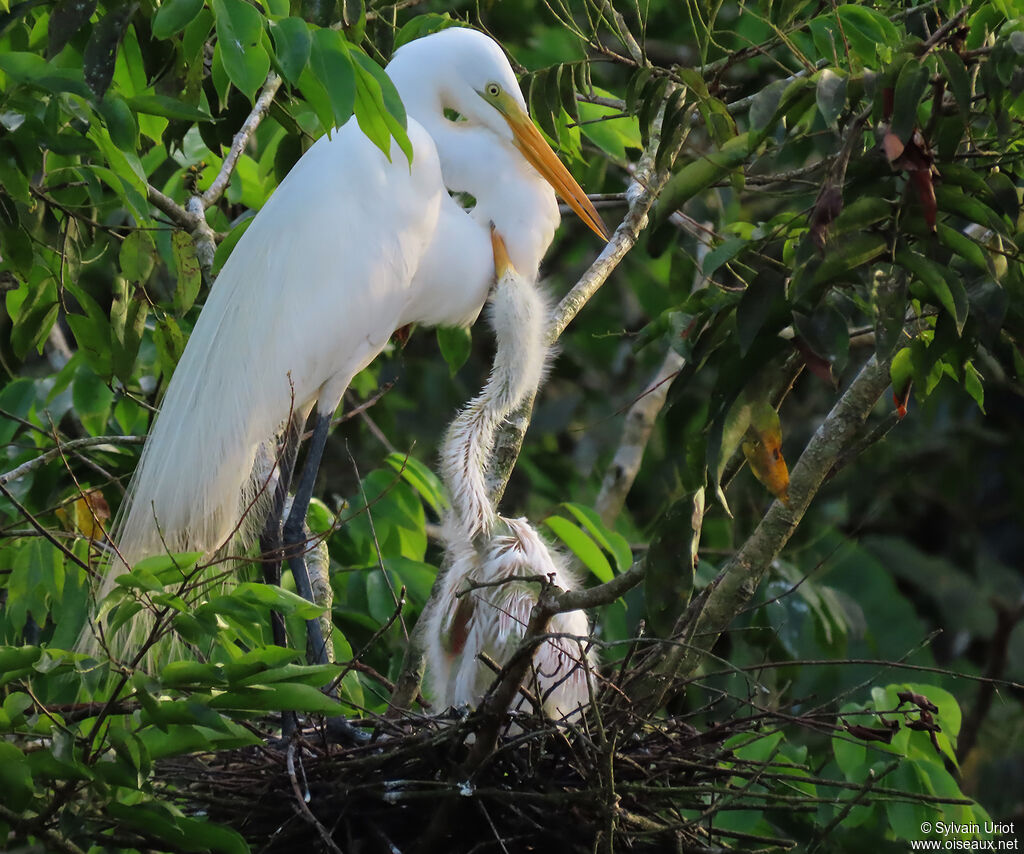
x=486, y=598
x=349, y=248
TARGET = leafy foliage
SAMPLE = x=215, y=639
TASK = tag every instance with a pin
x=839, y=181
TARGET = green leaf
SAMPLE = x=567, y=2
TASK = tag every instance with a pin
x=92, y=399
x=849, y=256
x=831, y=95
x=427, y=484
x=945, y=286
x=959, y=82
x=277, y=598
x=765, y=104
x=15, y=777
x=825, y=332
x=173, y=16
x=910, y=86
x=612, y=136
x=17, y=398
x=137, y=256
x=101, y=49
x=170, y=344
x=175, y=830
x=287, y=697
x=37, y=313
x=189, y=276
x=127, y=323
x=611, y=541
x=292, y=44
x=169, y=108
x=973, y=385
x=259, y=660
x=332, y=66
x=582, y=546
x=18, y=657
x=120, y=122
x=701, y=174
x=722, y=254
x=962, y=246
x=240, y=39
x=953, y=200
x=386, y=100
x=423, y=25
x=179, y=673
x=455, y=343
x=66, y=19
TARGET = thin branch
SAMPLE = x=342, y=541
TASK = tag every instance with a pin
x=647, y=183
x=241, y=140
x=58, y=842
x=74, y=445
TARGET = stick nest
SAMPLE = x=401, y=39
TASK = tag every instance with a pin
x=544, y=788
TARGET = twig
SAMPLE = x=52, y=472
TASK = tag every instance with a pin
x=303, y=808
x=35, y=523
x=51, y=836
x=1007, y=618
x=241, y=139
x=73, y=445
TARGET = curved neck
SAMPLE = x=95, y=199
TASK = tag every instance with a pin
x=519, y=316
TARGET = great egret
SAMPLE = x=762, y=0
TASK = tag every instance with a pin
x=349, y=248
x=485, y=600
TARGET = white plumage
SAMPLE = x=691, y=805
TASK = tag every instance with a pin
x=349, y=248
x=485, y=548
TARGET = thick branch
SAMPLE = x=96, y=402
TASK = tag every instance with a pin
x=171, y=209
x=736, y=583
x=640, y=419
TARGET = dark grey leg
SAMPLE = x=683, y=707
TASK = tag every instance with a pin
x=295, y=545
x=295, y=534
x=272, y=538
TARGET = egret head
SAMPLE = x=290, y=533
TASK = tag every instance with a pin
x=466, y=71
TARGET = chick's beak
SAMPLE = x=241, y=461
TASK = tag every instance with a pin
x=539, y=154
x=502, y=263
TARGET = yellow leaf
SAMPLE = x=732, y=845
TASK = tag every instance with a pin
x=763, y=451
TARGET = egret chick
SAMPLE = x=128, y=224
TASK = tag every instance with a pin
x=483, y=548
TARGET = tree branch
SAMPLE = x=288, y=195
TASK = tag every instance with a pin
x=241, y=139
x=738, y=579
x=74, y=445
x=619, y=477
x=192, y=217
x=641, y=194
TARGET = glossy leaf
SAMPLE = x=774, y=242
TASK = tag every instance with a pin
x=331, y=64
x=582, y=546
x=455, y=343
x=292, y=45
x=239, y=37
x=173, y=16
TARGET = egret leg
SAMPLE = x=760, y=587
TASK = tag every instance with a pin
x=272, y=538
x=295, y=542
x=295, y=534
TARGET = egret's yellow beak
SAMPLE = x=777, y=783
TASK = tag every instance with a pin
x=539, y=154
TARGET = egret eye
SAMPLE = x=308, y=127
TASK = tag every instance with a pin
x=493, y=89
